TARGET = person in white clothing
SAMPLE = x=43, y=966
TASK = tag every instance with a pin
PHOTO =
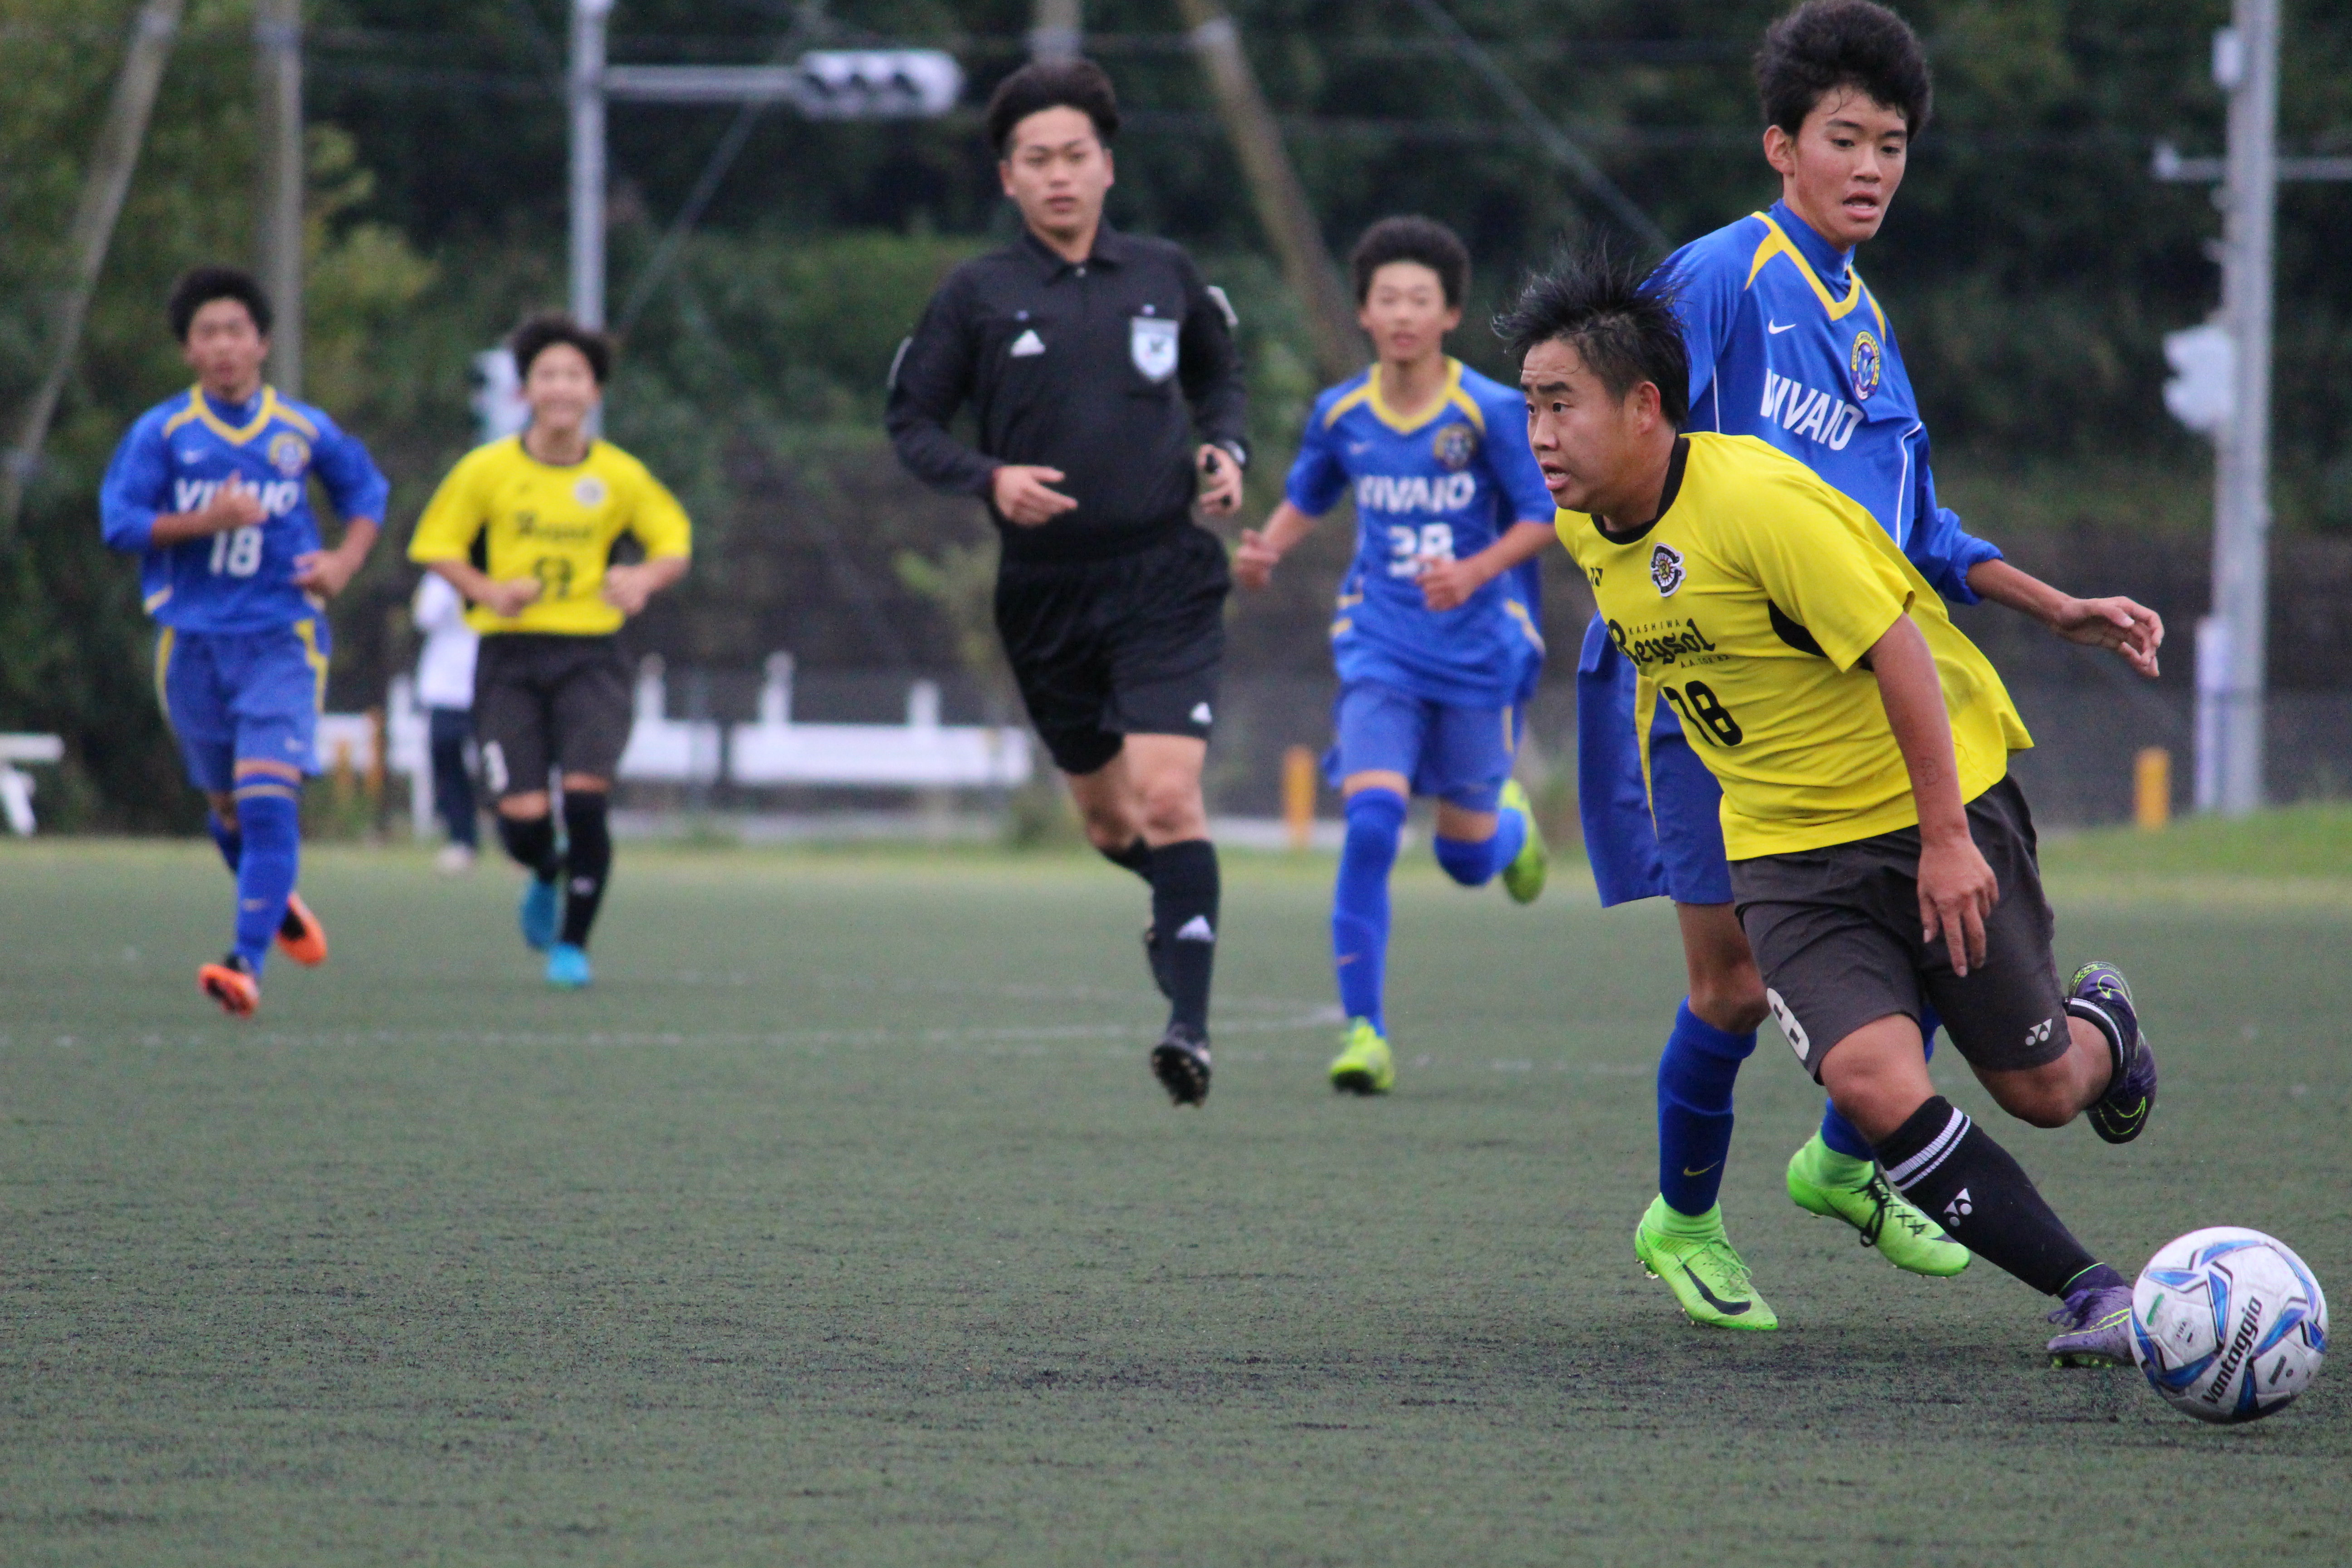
x=445, y=688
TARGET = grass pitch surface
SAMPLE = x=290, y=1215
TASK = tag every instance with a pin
x=841, y=1223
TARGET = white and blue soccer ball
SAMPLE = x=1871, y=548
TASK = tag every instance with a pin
x=2228, y=1324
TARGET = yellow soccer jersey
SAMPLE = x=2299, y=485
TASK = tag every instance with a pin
x=1749, y=604
x=514, y=516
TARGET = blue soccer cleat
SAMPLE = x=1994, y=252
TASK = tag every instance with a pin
x=539, y=914
x=568, y=968
x=2101, y=994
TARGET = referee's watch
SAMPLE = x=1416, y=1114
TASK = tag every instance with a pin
x=1235, y=450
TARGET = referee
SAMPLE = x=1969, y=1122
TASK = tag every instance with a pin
x=1089, y=357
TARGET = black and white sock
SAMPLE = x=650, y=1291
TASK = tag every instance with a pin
x=532, y=843
x=1135, y=858
x=1951, y=1168
x=1184, y=912
x=587, y=862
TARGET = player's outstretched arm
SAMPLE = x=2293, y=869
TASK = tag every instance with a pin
x=1957, y=890
x=327, y=573
x=1448, y=584
x=2127, y=628
x=1258, y=553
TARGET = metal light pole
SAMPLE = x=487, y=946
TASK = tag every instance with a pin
x=2230, y=680
x=278, y=71
x=1055, y=33
x=586, y=92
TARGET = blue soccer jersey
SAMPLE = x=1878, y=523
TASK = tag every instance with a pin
x=1787, y=344
x=1446, y=484
x=180, y=452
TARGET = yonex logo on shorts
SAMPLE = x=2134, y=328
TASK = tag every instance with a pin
x=2039, y=1033
x=1791, y=1029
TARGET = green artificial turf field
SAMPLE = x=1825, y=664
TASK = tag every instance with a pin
x=841, y=1223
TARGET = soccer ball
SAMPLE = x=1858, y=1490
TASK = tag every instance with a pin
x=2228, y=1324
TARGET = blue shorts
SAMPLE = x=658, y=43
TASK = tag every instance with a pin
x=242, y=697
x=1668, y=843
x=1459, y=753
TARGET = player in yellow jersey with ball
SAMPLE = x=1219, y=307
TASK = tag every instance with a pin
x=525, y=529
x=1882, y=860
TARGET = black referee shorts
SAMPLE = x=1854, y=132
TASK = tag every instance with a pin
x=1836, y=932
x=543, y=701
x=1129, y=646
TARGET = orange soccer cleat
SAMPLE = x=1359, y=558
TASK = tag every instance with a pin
x=299, y=935
x=232, y=984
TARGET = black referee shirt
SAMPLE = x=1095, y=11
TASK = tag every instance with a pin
x=1098, y=368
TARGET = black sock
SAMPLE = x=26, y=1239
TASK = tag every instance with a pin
x=1184, y=913
x=532, y=842
x=1951, y=1168
x=587, y=862
x=1135, y=858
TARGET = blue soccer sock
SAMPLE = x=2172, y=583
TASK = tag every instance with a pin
x=269, y=813
x=1841, y=1134
x=230, y=841
x=1695, y=1080
x=1474, y=862
x=1359, y=902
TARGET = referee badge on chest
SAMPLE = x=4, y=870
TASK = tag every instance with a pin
x=1151, y=344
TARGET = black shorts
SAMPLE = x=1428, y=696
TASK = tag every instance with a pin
x=1127, y=645
x=1836, y=932
x=545, y=702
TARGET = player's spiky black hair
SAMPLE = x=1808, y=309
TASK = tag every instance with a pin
x=1825, y=45
x=1618, y=316
x=1041, y=85
x=541, y=333
x=1417, y=239
x=200, y=286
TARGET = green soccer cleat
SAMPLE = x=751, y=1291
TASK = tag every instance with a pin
x=1837, y=1186
x=1363, y=1065
x=1523, y=878
x=1698, y=1265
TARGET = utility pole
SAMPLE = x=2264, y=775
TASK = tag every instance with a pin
x=278, y=69
x=104, y=188
x=585, y=92
x=1275, y=190
x=1054, y=31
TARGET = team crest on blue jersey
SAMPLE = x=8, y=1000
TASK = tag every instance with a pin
x=1666, y=570
x=289, y=454
x=1867, y=366
x=1455, y=446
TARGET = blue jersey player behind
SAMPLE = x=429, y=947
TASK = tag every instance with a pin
x=1435, y=633
x=1787, y=345
x=210, y=489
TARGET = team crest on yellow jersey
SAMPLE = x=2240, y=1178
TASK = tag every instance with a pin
x=289, y=454
x=1454, y=447
x=589, y=491
x=1867, y=364
x=1666, y=570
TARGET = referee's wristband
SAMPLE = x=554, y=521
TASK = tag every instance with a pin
x=1235, y=450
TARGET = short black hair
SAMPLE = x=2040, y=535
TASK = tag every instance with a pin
x=1417, y=239
x=541, y=333
x=1824, y=45
x=200, y=286
x=1619, y=321
x=1041, y=85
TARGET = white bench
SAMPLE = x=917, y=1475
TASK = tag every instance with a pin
x=16, y=785
x=922, y=754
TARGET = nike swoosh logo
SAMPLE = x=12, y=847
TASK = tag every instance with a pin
x=1775, y=328
x=1727, y=1308
x=1702, y=1170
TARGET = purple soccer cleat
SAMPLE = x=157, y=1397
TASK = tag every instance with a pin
x=2101, y=994
x=2097, y=1319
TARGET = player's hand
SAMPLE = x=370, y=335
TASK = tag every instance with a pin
x=627, y=588
x=1447, y=584
x=2130, y=629
x=1254, y=561
x=233, y=507
x=1220, y=488
x=1022, y=494
x=1957, y=894
x=325, y=573
x=508, y=598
